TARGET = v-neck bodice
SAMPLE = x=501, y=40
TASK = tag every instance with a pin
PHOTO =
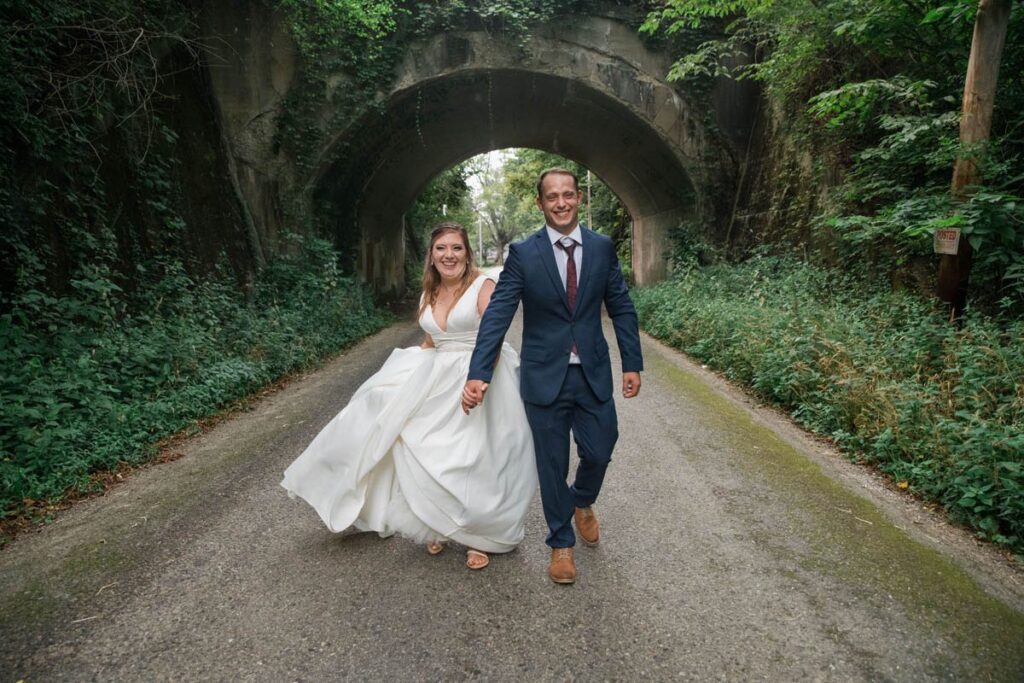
x=463, y=321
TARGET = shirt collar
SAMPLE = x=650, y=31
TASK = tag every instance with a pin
x=576, y=235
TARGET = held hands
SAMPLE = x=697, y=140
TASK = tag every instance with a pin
x=473, y=394
x=630, y=384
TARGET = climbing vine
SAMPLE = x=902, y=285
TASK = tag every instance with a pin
x=349, y=51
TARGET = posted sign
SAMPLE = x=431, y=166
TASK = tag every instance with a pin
x=947, y=240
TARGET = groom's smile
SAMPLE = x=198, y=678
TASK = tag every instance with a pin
x=560, y=201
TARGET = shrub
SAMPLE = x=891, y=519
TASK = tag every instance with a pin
x=881, y=372
x=95, y=379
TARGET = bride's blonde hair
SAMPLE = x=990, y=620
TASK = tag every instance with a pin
x=432, y=278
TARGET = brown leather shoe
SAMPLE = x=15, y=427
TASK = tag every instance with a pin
x=562, y=568
x=587, y=527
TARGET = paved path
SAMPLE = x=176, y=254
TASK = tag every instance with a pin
x=733, y=548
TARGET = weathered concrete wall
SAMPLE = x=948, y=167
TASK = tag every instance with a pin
x=195, y=165
x=783, y=184
x=254, y=67
x=215, y=214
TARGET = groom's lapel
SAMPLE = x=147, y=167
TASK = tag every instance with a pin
x=547, y=257
x=588, y=265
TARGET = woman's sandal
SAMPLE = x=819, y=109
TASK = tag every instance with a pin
x=435, y=548
x=476, y=559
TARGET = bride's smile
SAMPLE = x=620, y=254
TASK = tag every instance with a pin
x=449, y=256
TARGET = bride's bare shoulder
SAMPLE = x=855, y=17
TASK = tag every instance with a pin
x=483, y=297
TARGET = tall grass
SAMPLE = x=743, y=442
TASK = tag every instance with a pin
x=883, y=373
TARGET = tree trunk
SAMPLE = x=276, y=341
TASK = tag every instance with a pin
x=976, y=122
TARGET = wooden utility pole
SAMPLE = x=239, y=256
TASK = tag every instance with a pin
x=975, y=124
x=590, y=215
x=480, y=238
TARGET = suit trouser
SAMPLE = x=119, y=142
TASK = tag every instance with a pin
x=594, y=427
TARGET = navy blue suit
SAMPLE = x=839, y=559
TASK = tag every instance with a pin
x=559, y=397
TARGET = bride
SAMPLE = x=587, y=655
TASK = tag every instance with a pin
x=402, y=457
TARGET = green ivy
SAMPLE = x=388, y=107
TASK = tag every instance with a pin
x=872, y=89
x=343, y=39
x=112, y=335
x=361, y=43
x=87, y=386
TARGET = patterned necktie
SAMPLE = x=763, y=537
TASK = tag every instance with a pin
x=570, y=273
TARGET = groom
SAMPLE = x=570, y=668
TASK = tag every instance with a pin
x=562, y=274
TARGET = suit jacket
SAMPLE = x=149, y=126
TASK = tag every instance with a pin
x=549, y=329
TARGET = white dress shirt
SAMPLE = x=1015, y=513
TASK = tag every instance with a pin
x=562, y=260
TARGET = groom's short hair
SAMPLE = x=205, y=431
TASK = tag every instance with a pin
x=556, y=169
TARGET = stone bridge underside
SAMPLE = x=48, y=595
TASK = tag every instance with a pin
x=593, y=93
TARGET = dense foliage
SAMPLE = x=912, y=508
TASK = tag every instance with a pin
x=874, y=88
x=870, y=92
x=360, y=39
x=446, y=197
x=89, y=383
x=78, y=79
x=882, y=373
x=119, y=324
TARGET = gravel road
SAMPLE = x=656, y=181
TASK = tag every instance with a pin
x=734, y=547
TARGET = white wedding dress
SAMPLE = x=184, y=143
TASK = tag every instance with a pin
x=402, y=457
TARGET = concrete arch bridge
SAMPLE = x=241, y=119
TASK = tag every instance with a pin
x=590, y=90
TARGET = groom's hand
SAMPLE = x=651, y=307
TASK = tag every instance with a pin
x=630, y=384
x=473, y=394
